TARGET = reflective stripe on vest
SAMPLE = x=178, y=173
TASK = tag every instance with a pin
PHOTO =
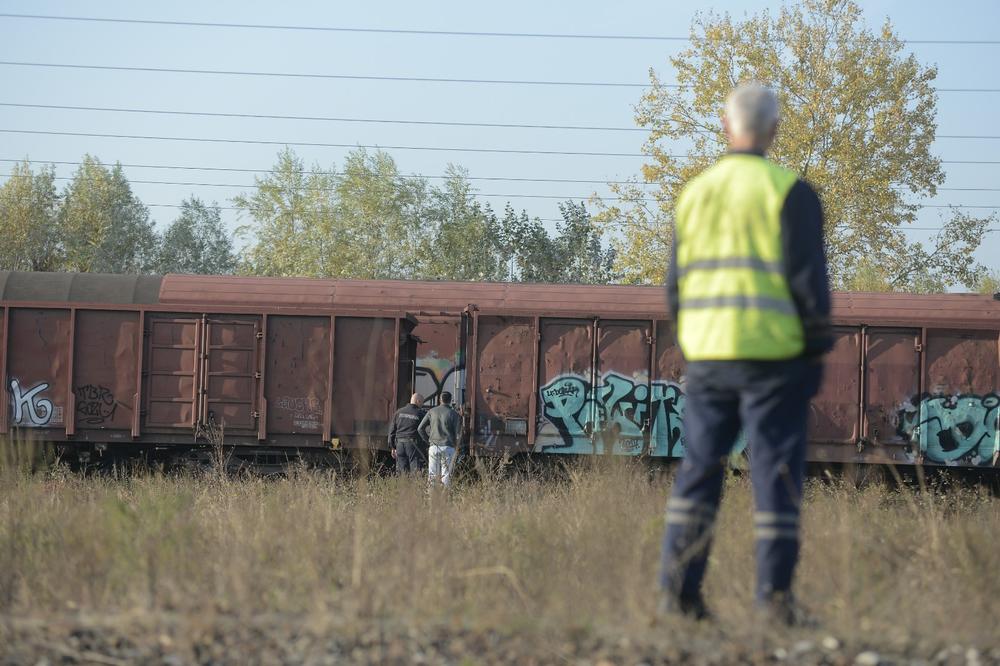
x=734, y=300
x=759, y=302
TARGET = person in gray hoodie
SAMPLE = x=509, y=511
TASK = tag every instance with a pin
x=441, y=427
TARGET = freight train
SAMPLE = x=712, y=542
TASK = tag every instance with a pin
x=102, y=364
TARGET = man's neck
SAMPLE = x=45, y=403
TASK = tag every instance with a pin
x=746, y=149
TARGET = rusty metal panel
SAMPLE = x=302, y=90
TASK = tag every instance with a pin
x=892, y=376
x=364, y=364
x=566, y=409
x=296, y=373
x=622, y=394
x=172, y=368
x=104, y=369
x=670, y=362
x=503, y=388
x=38, y=372
x=961, y=362
x=955, y=419
x=666, y=402
x=231, y=373
x=438, y=362
x=834, y=414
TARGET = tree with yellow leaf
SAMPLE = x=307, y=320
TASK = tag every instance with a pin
x=857, y=122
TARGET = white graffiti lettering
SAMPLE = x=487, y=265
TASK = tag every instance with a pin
x=29, y=408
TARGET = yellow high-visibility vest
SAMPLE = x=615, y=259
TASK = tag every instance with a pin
x=734, y=300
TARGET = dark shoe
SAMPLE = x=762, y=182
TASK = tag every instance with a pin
x=692, y=609
x=781, y=610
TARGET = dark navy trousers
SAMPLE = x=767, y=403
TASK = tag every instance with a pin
x=769, y=400
x=410, y=456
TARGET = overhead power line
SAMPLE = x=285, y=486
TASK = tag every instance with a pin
x=318, y=144
x=349, y=77
x=513, y=179
x=271, y=116
x=562, y=197
x=367, y=77
x=389, y=121
x=445, y=33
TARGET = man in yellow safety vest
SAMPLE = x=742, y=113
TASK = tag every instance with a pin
x=748, y=291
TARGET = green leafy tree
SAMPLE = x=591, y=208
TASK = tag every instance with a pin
x=290, y=224
x=381, y=213
x=530, y=254
x=197, y=242
x=363, y=222
x=857, y=121
x=575, y=253
x=104, y=226
x=988, y=282
x=29, y=223
x=583, y=257
x=463, y=242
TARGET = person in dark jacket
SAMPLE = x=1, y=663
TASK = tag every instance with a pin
x=747, y=287
x=404, y=437
x=441, y=427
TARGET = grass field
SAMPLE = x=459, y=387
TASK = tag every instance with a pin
x=176, y=566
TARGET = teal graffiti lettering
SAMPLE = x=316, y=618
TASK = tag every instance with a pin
x=946, y=429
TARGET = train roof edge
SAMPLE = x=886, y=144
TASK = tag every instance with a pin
x=439, y=297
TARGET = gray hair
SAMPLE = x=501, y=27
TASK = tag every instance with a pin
x=752, y=110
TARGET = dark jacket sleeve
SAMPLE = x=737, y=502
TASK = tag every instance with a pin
x=425, y=424
x=392, y=431
x=805, y=265
x=456, y=427
x=672, y=290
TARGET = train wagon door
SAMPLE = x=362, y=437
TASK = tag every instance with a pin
x=622, y=393
x=39, y=373
x=172, y=369
x=892, y=377
x=231, y=373
x=501, y=381
x=566, y=409
x=834, y=414
x=365, y=364
x=297, y=376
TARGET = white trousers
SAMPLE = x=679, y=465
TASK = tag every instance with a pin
x=440, y=460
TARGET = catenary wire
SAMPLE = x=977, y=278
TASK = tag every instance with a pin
x=367, y=77
x=389, y=121
x=399, y=31
x=543, y=219
x=317, y=144
x=514, y=179
x=478, y=194
x=316, y=75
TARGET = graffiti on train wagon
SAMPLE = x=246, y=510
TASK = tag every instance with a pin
x=433, y=374
x=952, y=428
x=306, y=411
x=31, y=409
x=610, y=417
x=96, y=404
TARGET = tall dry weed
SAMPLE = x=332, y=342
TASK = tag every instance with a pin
x=512, y=550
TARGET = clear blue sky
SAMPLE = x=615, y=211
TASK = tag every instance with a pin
x=963, y=66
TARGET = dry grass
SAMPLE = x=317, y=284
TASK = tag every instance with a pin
x=880, y=566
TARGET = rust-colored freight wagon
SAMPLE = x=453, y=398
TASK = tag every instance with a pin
x=595, y=369
x=98, y=361
x=583, y=369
